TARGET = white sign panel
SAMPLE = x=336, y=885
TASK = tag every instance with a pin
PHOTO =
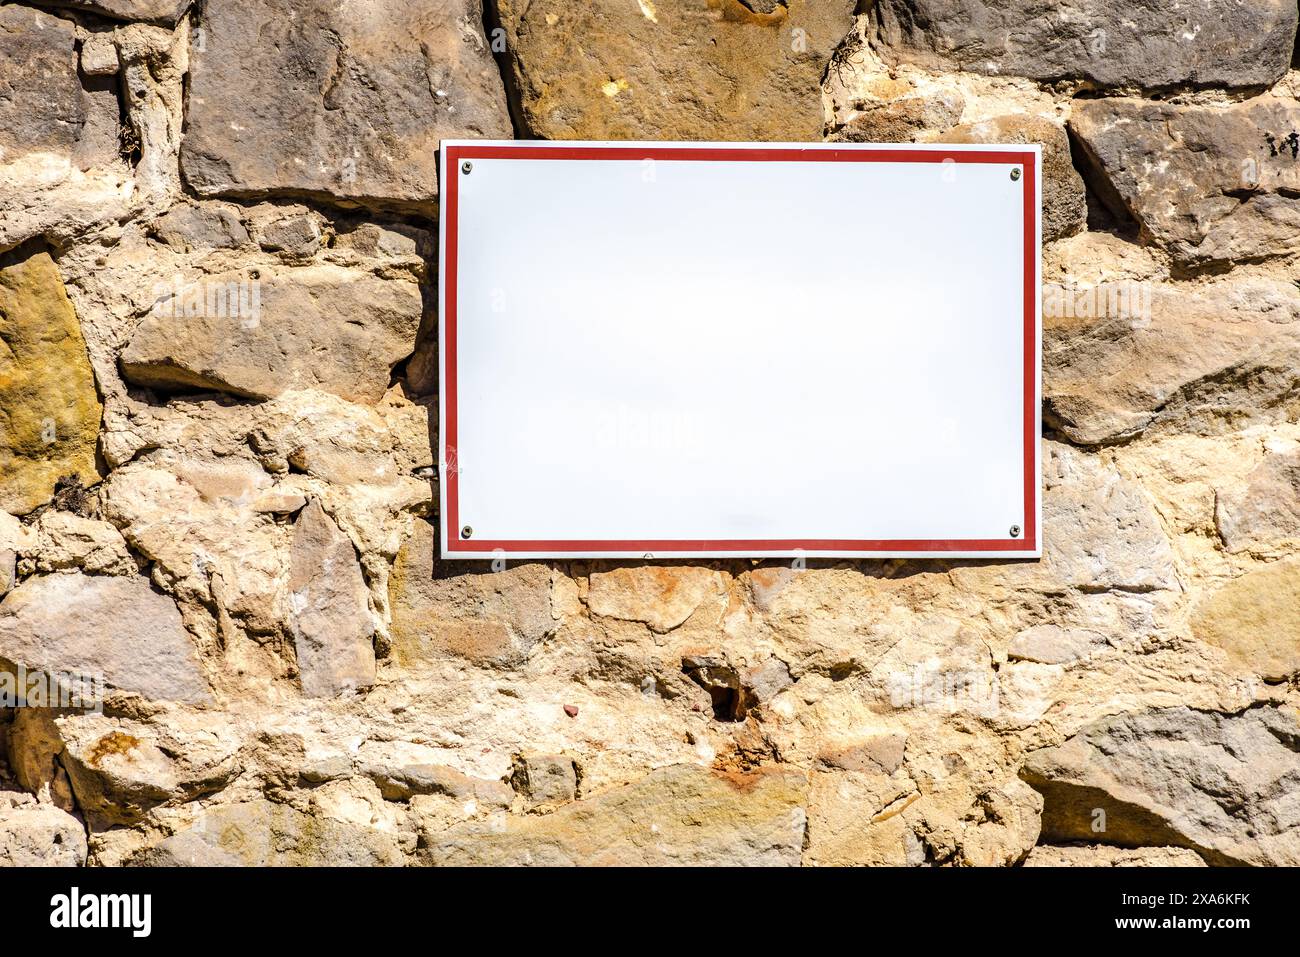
x=688, y=350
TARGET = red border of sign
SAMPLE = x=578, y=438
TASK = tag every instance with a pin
x=455, y=155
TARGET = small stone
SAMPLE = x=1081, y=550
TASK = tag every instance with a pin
x=546, y=778
x=201, y=227
x=1054, y=645
x=492, y=619
x=39, y=835
x=1256, y=620
x=1265, y=510
x=99, y=55
x=660, y=596
x=681, y=814
x=331, y=622
x=1102, y=855
x=571, y=710
x=294, y=232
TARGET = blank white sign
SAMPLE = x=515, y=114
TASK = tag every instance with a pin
x=654, y=349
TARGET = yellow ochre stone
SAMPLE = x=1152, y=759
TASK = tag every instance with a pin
x=49, y=410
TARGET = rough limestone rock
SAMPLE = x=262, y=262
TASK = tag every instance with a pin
x=661, y=596
x=1118, y=43
x=49, y=409
x=1064, y=206
x=38, y=835
x=1209, y=184
x=1256, y=620
x=491, y=618
x=318, y=327
x=332, y=625
x=1102, y=855
x=1055, y=645
x=681, y=815
x=892, y=109
x=693, y=70
x=1222, y=785
x=264, y=834
x=201, y=226
x=66, y=541
x=93, y=624
x=1120, y=357
x=150, y=11
x=61, y=171
x=337, y=100
x=120, y=769
x=546, y=778
x=1264, y=510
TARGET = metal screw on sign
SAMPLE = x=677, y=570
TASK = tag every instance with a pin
x=1015, y=173
x=648, y=555
x=466, y=167
x=466, y=532
x=1015, y=531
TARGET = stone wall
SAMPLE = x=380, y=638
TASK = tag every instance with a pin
x=218, y=408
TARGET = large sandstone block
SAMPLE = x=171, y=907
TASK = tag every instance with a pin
x=691, y=70
x=1120, y=43
x=1209, y=184
x=1222, y=785
x=681, y=814
x=340, y=100
x=320, y=326
x=49, y=409
x=1125, y=356
x=1102, y=855
x=102, y=625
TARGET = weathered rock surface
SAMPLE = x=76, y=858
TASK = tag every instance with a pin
x=46, y=110
x=38, y=835
x=696, y=70
x=1223, y=785
x=1256, y=620
x=1106, y=42
x=1209, y=184
x=661, y=596
x=1102, y=855
x=1054, y=645
x=337, y=100
x=1264, y=510
x=60, y=167
x=1121, y=357
x=121, y=769
x=677, y=815
x=265, y=834
x=489, y=618
x=332, y=625
x=150, y=11
x=318, y=327
x=92, y=624
x=49, y=409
